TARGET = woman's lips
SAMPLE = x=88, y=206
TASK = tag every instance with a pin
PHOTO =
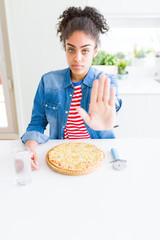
x=77, y=66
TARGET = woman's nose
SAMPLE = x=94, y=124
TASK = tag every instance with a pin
x=78, y=57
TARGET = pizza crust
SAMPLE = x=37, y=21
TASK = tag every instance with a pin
x=75, y=158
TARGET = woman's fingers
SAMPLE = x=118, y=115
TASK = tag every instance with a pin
x=97, y=93
x=112, y=97
x=34, y=166
x=34, y=160
x=101, y=91
x=94, y=92
x=106, y=90
x=101, y=88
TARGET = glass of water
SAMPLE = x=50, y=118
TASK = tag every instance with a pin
x=22, y=165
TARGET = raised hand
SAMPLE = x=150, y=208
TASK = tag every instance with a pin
x=102, y=112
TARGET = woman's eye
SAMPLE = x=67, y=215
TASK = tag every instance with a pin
x=85, y=51
x=70, y=50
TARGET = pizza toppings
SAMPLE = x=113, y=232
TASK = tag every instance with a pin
x=76, y=156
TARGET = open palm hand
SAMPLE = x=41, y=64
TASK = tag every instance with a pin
x=102, y=112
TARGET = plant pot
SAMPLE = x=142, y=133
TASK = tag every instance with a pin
x=122, y=76
x=106, y=69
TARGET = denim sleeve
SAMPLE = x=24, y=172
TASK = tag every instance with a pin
x=38, y=123
x=34, y=135
x=115, y=84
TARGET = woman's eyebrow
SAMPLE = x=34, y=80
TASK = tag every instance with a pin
x=86, y=45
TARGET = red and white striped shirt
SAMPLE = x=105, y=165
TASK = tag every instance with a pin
x=75, y=127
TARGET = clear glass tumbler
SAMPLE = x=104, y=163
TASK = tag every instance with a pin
x=22, y=165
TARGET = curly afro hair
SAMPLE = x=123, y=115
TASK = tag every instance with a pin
x=88, y=20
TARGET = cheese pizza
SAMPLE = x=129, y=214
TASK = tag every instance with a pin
x=75, y=158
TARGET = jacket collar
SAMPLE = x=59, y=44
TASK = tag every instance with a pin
x=88, y=80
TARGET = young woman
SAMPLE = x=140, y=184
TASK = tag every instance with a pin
x=78, y=102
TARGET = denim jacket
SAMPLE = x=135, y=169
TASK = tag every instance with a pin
x=52, y=103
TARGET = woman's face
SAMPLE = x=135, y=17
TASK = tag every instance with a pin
x=80, y=51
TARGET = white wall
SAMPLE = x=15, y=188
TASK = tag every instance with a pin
x=35, y=48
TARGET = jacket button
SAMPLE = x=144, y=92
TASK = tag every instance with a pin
x=53, y=107
x=66, y=111
x=70, y=95
x=46, y=105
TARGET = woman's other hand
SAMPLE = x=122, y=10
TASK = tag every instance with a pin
x=34, y=160
x=32, y=144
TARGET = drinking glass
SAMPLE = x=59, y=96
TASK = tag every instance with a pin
x=22, y=165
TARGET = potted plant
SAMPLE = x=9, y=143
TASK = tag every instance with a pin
x=122, y=73
x=105, y=62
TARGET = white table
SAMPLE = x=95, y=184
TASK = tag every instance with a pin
x=105, y=204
